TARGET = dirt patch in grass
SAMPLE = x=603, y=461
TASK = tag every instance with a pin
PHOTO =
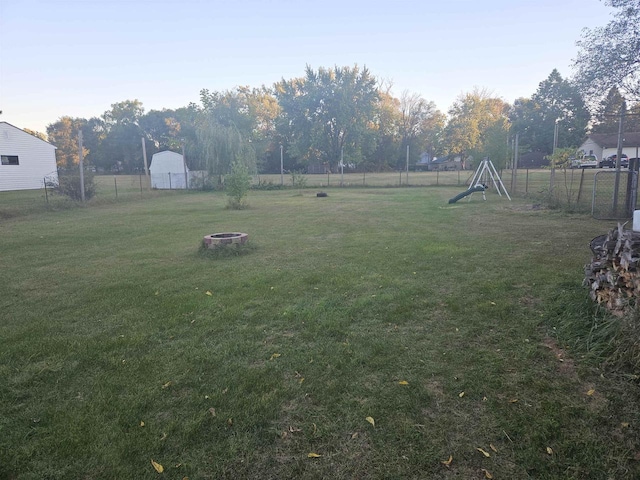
x=566, y=365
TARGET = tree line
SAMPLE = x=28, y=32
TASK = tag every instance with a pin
x=345, y=115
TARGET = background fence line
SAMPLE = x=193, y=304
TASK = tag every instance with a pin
x=573, y=188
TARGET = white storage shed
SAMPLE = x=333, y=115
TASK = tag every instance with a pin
x=25, y=161
x=168, y=171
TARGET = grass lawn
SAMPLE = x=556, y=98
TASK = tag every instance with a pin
x=121, y=344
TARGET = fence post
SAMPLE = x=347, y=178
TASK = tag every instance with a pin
x=526, y=184
x=364, y=178
x=115, y=183
x=169, y=180
x=327, y=179
x=458, y=176
x=438, y=177
x=140, y=183
x=580, y=187
x=46, y=195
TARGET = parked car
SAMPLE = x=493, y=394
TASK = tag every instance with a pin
x=589, y=161
x=610, y=162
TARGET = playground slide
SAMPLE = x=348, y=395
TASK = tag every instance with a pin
x=477, y=188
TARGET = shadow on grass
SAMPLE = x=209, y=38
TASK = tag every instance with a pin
x=226, y=251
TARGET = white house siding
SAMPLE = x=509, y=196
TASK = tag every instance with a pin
x=37, y=160
x=167, y=171
x=590, y=147
x=630, y=152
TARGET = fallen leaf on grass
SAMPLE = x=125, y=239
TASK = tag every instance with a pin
x=141, y=423
x=624, y=424
x=513, y=400
x=549, y=451
x=447, y=463
x=486, y=473
x=163, y=437
x=274, y=356
x=230, y=422
x=159, y=468
x=166, y=385
x=371, y=421
x=493, y=448
x=484, y=452
x=313, y=455
x=354, y=435
x=461, y=394
x=403, y=382
x=591, y=392
x=209, y=293
x=212, y=411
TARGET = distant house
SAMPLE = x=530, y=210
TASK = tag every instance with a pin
x=168, y=171
x=603, y=145
x=449, y=162
x=26, y=162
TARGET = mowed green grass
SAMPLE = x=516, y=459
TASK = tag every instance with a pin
x=121, y=344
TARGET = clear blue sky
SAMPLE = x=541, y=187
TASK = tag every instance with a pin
x=77, y=57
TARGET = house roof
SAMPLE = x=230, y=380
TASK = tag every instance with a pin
x=609, y=140
x=27, y=133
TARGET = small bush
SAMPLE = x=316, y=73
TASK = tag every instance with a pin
x=237, y=186
x=298, y=180
x=69, y=186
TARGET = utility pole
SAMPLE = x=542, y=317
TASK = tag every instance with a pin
x=616, y=187
x=281, y=166
x=146, y=166
x=184, y=165
x=341, y=166
x=514, y=167
x=553, y=160
x=407, y=165
x=81, y=165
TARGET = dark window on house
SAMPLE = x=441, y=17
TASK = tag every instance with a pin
x=10, y=160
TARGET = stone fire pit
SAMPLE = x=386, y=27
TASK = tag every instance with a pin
x=227, y=238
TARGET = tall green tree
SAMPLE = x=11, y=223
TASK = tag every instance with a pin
x=478, y=127
x=386, y=128
x=326, y=111
x=237, y=126
x=63, y=133
x=606, y=118
x=122, y=134
x=609, y=56
x=421, y=124
x=534, y=119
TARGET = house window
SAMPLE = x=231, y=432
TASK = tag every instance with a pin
x=9, y=160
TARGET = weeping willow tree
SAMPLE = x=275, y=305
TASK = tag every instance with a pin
x=222, y=146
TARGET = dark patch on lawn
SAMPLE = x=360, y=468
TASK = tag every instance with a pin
x=227, y=251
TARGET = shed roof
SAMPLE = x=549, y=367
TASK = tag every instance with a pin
x=167, y=162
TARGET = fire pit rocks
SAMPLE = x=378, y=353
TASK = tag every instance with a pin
x=216, y=240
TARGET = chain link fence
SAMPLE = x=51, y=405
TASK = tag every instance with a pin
x=609, y=203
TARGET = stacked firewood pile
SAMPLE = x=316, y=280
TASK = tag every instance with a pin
x=614, y=274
